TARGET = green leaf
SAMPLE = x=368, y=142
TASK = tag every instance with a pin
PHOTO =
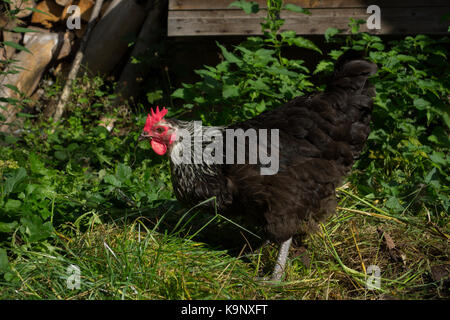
x=112, y=180
x=12, y=204
x=39, y=11
x=335, y=54
x=35, y=228
x=154, y=96
x=123, y=172
x=230, y=57
x=305, y=43
x=36, y=165
x=358, y=47
x=24, y=30
x=330, y=32
x=61, y=155
x=324, y=65
x=405, y=58
x=83, y=100
x=394, y=204
x=276, y=70
x=295, y=8
x=439, y=158
x=230, y=91
x=179, y=93
x=8, y=227
x=354, y=24
x=17, y=177
x=25, y=115
x=260, y=107
x=430, y=175
x=248, y=7
x=99, y=93
x=377, y=45
x=16, y=46
x=72, y=147
x=421, y=104
x=4, y=263
x=288, y=34
x=446, y=119
x=13, y=88
x=11, y=139
x=258, y=84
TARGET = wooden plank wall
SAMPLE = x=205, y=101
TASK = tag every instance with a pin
x=214, y=17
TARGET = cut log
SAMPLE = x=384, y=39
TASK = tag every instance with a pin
x=21, y=5
x=4, y=19
x=80, y=32
x=53, y=15
x=64, y=2
x=76, y=62
x=85, y=9
x=35, y=97
x=31, y=68
x=10, y=36
x=111, y=36
x=3, y=22
x=66, y=41
x=66, y=47
x=29, y=36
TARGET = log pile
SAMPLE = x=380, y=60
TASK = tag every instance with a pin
x=52, y=41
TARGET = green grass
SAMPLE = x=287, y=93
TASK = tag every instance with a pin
x=141, y=259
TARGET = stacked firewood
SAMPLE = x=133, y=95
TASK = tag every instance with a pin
x=56, y=39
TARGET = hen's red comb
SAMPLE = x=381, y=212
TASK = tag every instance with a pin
x=154, y=117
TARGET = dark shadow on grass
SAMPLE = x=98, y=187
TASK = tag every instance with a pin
x=217, y=232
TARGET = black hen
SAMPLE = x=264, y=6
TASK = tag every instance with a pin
x=319, y=137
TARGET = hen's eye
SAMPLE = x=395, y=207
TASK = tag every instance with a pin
x=160, y=130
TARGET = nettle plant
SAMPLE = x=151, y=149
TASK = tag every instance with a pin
x=406, y=159
x=254, y=76
x=407, y=155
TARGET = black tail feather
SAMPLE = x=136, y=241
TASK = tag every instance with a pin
x=351, y=72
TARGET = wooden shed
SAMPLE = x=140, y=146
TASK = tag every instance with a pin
x=216, y=17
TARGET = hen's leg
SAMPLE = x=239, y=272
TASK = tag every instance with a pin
x=278, y=271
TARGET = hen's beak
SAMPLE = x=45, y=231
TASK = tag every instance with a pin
x=143, y=136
